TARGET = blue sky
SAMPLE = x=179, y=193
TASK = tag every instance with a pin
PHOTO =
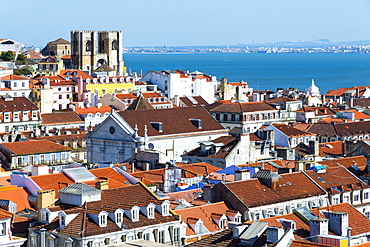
x=191, y=22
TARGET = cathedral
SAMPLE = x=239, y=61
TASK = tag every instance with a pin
x=97, y=52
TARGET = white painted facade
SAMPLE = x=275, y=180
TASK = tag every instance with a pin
x=174, y=84
x=103, y=145
x=11, y=45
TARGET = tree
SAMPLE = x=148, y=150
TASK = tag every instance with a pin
x=7, y=56
x=25, y=70
x=21, y=60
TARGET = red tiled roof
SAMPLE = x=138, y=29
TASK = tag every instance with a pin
x=33, y=147
x=174, y=120
x=5, y=214
x=359, y=161
x=60, y=117
x=239, y=107
x=291, y=131
x=14, y=77
x=84, y=111
x=17, y=195
x=206, y=213
x=291, y=186
x=357, y=221
x=336, y=177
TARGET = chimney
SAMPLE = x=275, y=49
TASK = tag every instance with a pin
x=102, y=185
x=319, y=226
x=338, y=222
x=268, y=178
x=45, y=198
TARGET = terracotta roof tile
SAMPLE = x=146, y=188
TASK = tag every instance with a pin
x=17, y=104
x=174, y=120
x=33, y=147
x=291, y=186
x=61, y=117
x=18, y=196
x=239, y=107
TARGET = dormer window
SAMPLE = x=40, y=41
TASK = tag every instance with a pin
x=135, y=214
x=222, y=224
x=103, y=217
x=119, y=216
x=165, y=208
x=150, y=211
x=62, y=219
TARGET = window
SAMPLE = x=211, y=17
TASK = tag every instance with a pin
x=16, y=115
x=42, y=159
x=197, y=228
x=161, y=237
x=67, y=96
x=23, y=94
x=335, y=200
x=15, y=84
x=52, y=158
x=68, y=244
x=356, y=198
x=366, y=195
x=30, y=160
x=7, y=116
x=176, y=234
x=119, y=217
x=34, y=114
x=103, y=219
x=135, y=214
x=238, y=219
x=60, y=96
x=150, y=212
x=165, y=209
x=19, y=161
x=23, y=84
x=367, y=214
x=62, y=220
x=146, y=236
x=222, y=224
x=6, y=128
x=2, y=229
x=46, y=214
x=345, y=198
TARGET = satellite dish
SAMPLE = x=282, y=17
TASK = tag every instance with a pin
x=124, y=168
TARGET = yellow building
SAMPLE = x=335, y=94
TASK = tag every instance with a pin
x=105, y=85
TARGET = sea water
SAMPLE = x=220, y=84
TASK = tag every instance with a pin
x=265, y=71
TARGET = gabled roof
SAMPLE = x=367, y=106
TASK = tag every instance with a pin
x=60, y=117
x=239, y=107
x=140, y=103
x=174, y=120
x=33, y=147
x=59, y=41
x=291, y=131
x=104, y=67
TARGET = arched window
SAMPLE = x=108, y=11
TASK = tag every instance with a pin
x=115, y=45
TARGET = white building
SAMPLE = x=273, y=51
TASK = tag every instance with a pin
x=169, y=132
x=15, y=86
x=11, y=45
x=182, y=83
